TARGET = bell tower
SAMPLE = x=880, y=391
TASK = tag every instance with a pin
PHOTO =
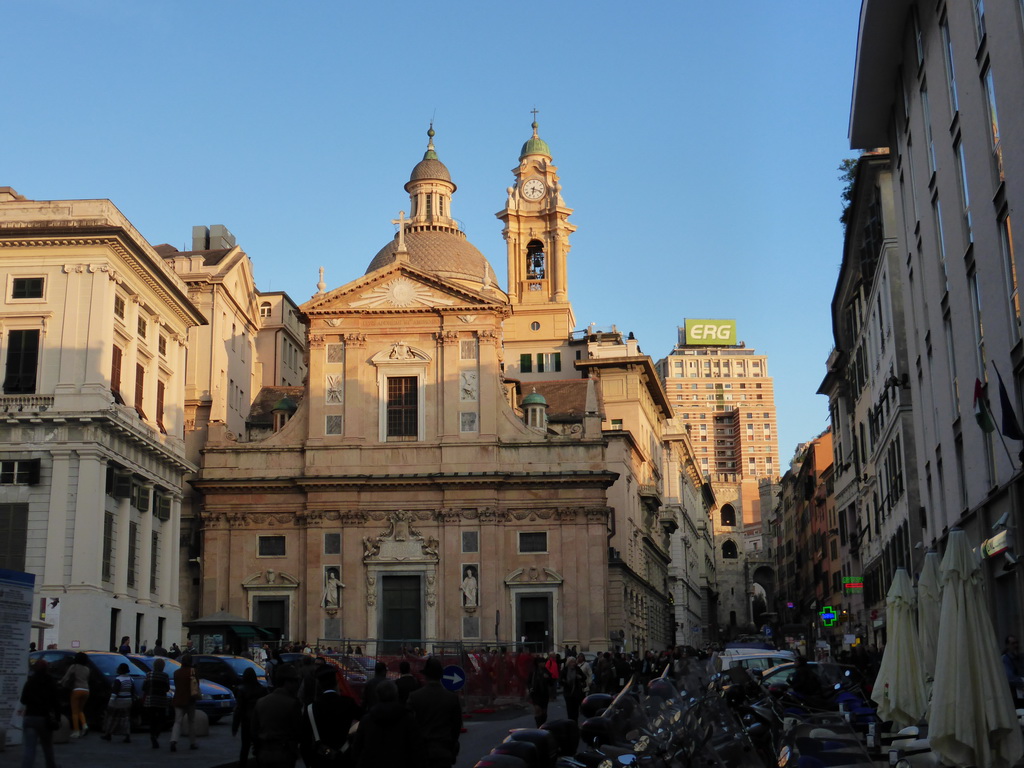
x=536, y=234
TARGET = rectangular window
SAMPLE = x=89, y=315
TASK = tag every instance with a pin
x=20, y=472
x=979, y=328
x=154, y=566
x=119, y=307
x=133, y=537
x=27, y=288
x=1010, y=274
x=526, y=363
x=533, y=541
x=918, y=37
x=13, y=536
x=979, y=20
x=927, y=114
x=965, y=199
x=271, y=546
x=402, y=411
x=540, y=362
x=22, y=362
x=941, y=240
x=332, y=543
x=993, y=120
x=116, y=357
x=470, y=541
x=467, y=349
x=141, y=327
x=140, y=388
x=161, y=346
x=947, y=47
x=160, y=406
x=617, y=424
x=108, y=545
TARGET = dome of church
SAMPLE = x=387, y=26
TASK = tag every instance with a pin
x=445, y=252
x=430, y=168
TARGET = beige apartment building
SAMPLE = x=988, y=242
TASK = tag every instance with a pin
x=92, y=452
x=940, y=85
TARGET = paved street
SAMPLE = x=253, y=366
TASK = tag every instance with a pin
x=220, y=749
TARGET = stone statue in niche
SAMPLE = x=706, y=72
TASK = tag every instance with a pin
x=470, y=586
x=332, y=589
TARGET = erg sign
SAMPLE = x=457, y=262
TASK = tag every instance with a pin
x=704, y=332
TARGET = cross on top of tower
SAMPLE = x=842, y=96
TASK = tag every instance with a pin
x=534, y=111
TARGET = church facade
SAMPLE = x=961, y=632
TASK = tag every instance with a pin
x=419, y=494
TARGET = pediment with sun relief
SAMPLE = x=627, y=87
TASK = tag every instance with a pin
x=402, y=288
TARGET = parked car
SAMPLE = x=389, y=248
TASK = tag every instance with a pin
x=103, y=669
x=753, y=660
x=345, y=666
x=829, y=675
x=216, y=700
x=227, y=670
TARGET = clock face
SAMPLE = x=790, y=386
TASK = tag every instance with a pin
x=533, y=189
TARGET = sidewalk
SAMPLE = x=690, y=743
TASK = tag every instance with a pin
x=218, y=750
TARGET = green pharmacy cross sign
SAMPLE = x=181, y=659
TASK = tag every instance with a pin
x=828, y=616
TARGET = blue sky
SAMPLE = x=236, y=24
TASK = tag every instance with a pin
x=697, y=142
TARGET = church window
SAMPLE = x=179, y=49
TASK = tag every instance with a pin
x=728, y=515
x=526, y=363
x=729, y=551
x=533, y=541
x=402, y=409
x=332, y=543
x=140, y=388
x=430, y=205
x=535, y=261
x=271, y=546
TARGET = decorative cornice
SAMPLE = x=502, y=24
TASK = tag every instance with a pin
x=133, y=263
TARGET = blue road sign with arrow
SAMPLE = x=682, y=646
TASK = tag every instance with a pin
x=453, y=678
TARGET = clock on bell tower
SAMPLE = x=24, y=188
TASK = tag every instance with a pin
x=536, y=234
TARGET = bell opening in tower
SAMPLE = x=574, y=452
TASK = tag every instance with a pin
x=535, y=260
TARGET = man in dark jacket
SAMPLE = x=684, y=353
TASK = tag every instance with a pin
x=387, y=735
x=334, y=714
x=380, y=673
x=439, y=715
x=276, y=723
x=407, y=682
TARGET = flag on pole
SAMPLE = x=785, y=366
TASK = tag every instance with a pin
x=1010, y=426
x=982, y=410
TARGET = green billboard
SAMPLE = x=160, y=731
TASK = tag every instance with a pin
x=707, y=333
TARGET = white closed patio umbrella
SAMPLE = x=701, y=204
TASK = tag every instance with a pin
x=929, y=601
x=899, y=687
x=971, y=720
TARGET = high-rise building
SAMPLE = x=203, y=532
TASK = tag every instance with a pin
x=721, y=392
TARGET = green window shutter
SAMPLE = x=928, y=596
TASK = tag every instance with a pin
x=556, y=361
x=526, y=363
x=540, y=362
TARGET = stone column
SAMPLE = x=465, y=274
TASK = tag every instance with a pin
x=168, y=575
x=446, y=381
x=122, y=528
x=357, y=401
x=489, y=382
x=145, y=549
x=87, y=550
x=57, y=521
x=174, y=546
